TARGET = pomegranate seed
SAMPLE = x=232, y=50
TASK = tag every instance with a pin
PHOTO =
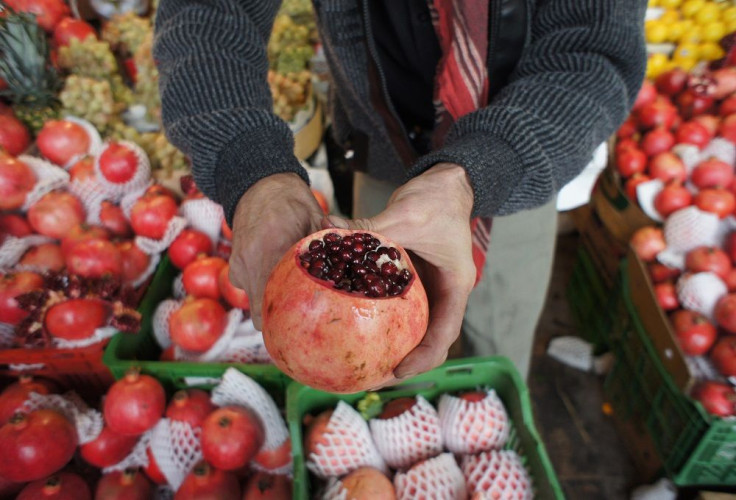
x=316, y=272
x=382, y=251
x=377, y=289
x=393, y=254
x=346, y=255
x=333, y=247
x=372, y=266
x=335, y=260
x=360, y=236
x=371, y=278
x=316, y=244
x=360, y=270
x=347, y=241
x=388, y=269
x=332, y=238
x=307, y=257
x=358, y=248
x=405, y=276
x=373, y=256
x=335, y=275
x=394, y=290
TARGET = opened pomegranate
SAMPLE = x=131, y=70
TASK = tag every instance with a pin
x=234, y=296
x=12, y=285
x=113, y=219
x=60, y=141
x=14, y=395
x=134, y=404
x=262, y=486
x=717, y=398
x=14, y=225
x=56, y=214
x=694, y=332
x=129, y=484
x=36, y=445
x=70, y=28
x=44, y=257
x=231, y=437
x=191, y=406
x=197, y=324
x=367, y=483
x=83, y=170
x=200, y=278
x=94, y=258
x=134, y=261
x=16, y=181
x=14, y=136
x=152, y=470
x=205, y=481
x=76, y=319
x=342, y=309
x=708, y=259
x=187, y=246
x=62, y=486
x=151, y=214
x=108, y=448
x=118, y=163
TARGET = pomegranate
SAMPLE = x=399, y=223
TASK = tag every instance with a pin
x=61, y=141
x=710, y=122
x=187, y=246
x=76, y=319
x=234, y=296
x=712, y=173
x=671, y=198
x=627, y=129
x=262, y=486
x=231, y=437
x=48, y=12
x=692, y=133
x=56, y=214
x=201, y=277
x=12, y=285
x=14, y=225
x=659, y=113
x=14, y=395
x=82, y=232
x=727, y=130
x=367, y=483
x=658, y=141
x=44, y=257
x=692, y=104
x=672, y=82
x=227, y=233
x=633, y=182
x=197, y=324
x=342, y=309
x=275, y=458
x=725, y=313
x=723, y=355
x=108, y=448
x=83, y=170
x=113, y=219
x=9, y=489
x=207, y=482
x=725, y=82
x=647, y=94
x=396, y=407
x=647, y=242
x=731, y=246
x=322, y=201
x=473, y=396
x=95, y=258
x=731, y=280
x=708, y=259
x=14, y=136
x=152, y=470
x=728, y=106
x=316, y=430
x=659, y=272
x=667, y=167
x=694, y=332
x=118, y=163
x=134, y=261
x=16, y=181
x=151, y=214
x=624, y=144
x=126, y=485
x=631, y=161
x=666, y=296
x=36, y=445
x=134, y=404
x=718, y=201
x=191, y=406
x=70, y=28
x=717, y=398
x=62, y=486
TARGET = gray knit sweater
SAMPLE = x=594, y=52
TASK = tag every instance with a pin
x=579, y=73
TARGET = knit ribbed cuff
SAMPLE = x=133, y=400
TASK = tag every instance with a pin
x=249, y=158
x=493, y=167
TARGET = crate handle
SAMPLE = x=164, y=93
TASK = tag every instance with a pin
x=459, y=370
x=411, y=386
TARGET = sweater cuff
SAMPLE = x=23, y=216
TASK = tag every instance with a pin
x=249, y=158
x=493, y=167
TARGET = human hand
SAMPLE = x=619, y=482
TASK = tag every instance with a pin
x=272, y=215
x=430, y=216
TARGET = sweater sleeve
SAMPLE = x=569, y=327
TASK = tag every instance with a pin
x=573, y=86
x=216, y=103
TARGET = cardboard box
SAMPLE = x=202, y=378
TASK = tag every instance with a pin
x=605, y=251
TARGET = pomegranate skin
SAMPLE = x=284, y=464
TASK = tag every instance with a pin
x=333, y=340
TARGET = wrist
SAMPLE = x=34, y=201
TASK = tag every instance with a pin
x=456, y=180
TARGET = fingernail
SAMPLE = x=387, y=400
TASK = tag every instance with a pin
x=338, y=222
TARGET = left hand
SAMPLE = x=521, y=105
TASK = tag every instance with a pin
x=430, y=216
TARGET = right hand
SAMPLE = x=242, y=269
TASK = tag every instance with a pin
x=276, y=212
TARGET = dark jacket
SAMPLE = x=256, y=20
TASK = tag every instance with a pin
x=578, y=74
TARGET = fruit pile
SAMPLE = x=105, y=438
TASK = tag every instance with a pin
x=694, y=29
x=199, y=443
x=456, y=450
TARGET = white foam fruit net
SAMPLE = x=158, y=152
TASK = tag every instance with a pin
x=720, y=148
x=497, y=475
x=136, y=458
x=348, y=445
x=102, y=333
x=148, y=272
x=700, y=292
x=91, y=193
x=219, y=350
x=205, y=216
x=95, y=141
x=140, y=179
x=177, y=287
x=689, y=154
x=471, y=427
x=176, y=448
x=128, y=199
x=7, y=335
x=334, y=490
x=87, y=421
x=645, y=194
x=12, y=248
x=690, y=228
x=238, y=389
x=48, y=178
x=410, y=437
x=438, y=477
x=151, y=246
x=160, y=322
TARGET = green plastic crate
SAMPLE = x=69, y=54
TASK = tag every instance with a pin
x=696, y=448
x=456, y=375
x=141, y=350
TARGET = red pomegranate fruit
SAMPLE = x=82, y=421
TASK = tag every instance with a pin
x=200, y=278
x=44, y=257
x=647, y=242
x=129, y=484
x=717, y=398
x=60, y=141
x=76, y=319
x=36, y=445
x=134, y=404
x=16, y=181
x=708, y=259
x=71, y=28
x=14, y=136
x=83, y=170
x=191, y=406
x=367, y=483
x=671, y=198
x=56, y=214
x=667, y=167
x=658, y=141
x=113, y=219
x=693, y=133
x=11, y=286
x=672, y=82
x=339, y=281
x=631, y=161
x=633, y=182
x=262, y=486
x=118, y=163
x=48, y=13
x=275, y=458
x=135, y=261
x=151, y=214
x=659, y=113
x=727, y=130
x=234, y=296
x=315, y=432
x=717, y=201
x=712, y=173
x=647, y=94
x=694, y=332
x=692, y=104
x=659, y=272
x=207, y=482
x=396, y=407
x=14, y=225
x=723, y=355
x=666, y=294
x=710, y=122
x=231, y=437
x=627, y=129
x=197, y=324
x=62, y=486
x=725, y=313
x=152, y=470
x=95, y=258
x=188, y=246
x=108, y=448
x=80, y=233
x=14, y=395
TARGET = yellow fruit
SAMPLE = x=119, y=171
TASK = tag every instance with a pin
x=710, y=51
x=708, y=13
x=669, y=16
x=731, y=26
x=693, y=35
x=729, y=14
x=652, y=3
x=712, y=32
x=657, y=64
x=655, y=32
x=686, y=63
x=670, y=4
x=676, y=31
x=691, y=7
x=685, y=51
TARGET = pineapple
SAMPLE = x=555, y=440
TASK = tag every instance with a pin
x=126, y=32
x=89, y=58
x=89, y=99
x=25, y=66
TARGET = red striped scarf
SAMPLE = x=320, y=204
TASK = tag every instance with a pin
x=461, y=83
